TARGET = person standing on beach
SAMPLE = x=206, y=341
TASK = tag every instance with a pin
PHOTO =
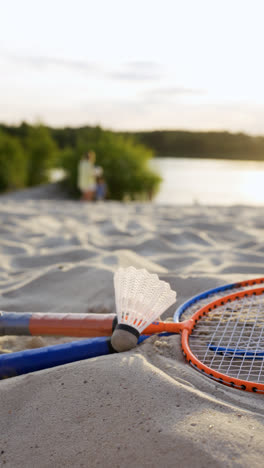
x=101, y=188
x=87, y=176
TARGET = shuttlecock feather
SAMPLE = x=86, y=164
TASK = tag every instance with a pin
x=141, y=297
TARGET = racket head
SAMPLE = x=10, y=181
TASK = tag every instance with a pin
x=232, y=322
x=189, y=307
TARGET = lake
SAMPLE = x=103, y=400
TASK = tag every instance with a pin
x=210, y=181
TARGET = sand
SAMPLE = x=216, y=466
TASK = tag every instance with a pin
x=145, y=407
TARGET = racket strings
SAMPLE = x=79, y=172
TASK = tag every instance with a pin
x=230, y=339
x=193, y=307
x=241, y=344
x=224, y=329
x=259, y=350
x=189, y=312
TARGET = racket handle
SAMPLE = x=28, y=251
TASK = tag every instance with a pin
x=78, y=325
x=32, y=360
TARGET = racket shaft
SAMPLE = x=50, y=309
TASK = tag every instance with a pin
x=169, y=327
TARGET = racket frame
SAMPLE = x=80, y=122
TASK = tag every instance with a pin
x=186, y=327
x=198, y=365
x=205, y=294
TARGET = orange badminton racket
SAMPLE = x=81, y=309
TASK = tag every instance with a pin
x=224, y=340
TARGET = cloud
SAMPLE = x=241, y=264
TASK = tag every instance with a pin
x=173, y=91
x=139, y=70
x=131, y=71
x=45, y=62
x=133, y=76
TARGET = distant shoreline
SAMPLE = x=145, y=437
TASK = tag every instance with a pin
x=168, y=143
x=202, y=145
x=209, y=156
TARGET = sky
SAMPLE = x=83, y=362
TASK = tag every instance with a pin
x=133, y=65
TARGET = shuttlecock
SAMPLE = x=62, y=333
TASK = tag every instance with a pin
x=140, y=299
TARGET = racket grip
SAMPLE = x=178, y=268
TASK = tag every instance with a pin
x=78, y=325
x=32, y=360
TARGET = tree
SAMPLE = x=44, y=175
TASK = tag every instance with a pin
x=42, y=154
x=13, y=163
x=124, y=162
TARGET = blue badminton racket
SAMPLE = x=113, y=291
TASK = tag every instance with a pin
x=32, y=360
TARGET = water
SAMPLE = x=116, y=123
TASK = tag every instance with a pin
x=210, y=182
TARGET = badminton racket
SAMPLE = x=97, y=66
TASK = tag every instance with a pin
x=235, y=321
x=96, y=325
x=187, y=309
x=220, y=337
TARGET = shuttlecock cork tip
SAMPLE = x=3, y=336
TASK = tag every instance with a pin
x=124, y=338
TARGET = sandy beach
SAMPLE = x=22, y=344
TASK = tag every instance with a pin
x=145, y=407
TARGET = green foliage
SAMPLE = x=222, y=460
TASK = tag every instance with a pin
x=69, y=159
x=125, y=164
x=173, y=143
x=224, y=145
x=42, y=154
x=27, y=153
x=13, y=164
